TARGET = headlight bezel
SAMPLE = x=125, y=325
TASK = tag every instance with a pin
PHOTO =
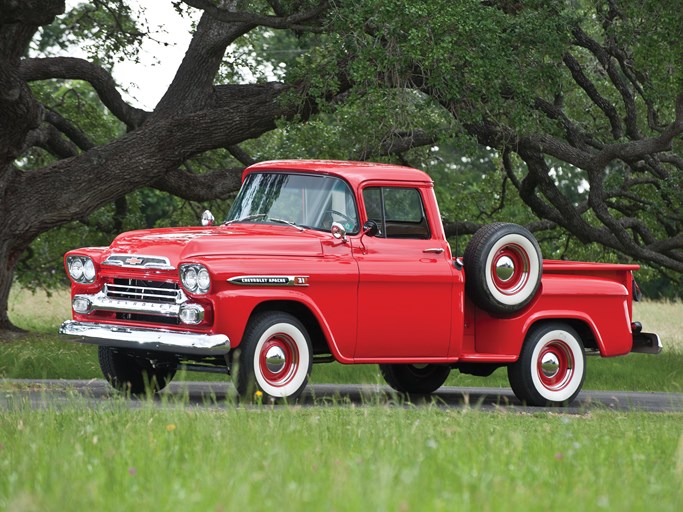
x=81, y=269
x=190, y=278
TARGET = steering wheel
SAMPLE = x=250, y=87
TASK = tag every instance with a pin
x=351, y=221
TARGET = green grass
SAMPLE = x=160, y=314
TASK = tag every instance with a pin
x=376, y=457
x=43, y=354
x=381, y=456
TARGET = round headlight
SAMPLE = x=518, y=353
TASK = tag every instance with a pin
x=195, y=278
x=89, y=270
x=203, y=280
x=190, y=279
x=76, y=269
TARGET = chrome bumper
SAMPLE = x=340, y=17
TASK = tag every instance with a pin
x=646, y=343
x=163, y=340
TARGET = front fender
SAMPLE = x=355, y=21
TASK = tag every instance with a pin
x=235, y=308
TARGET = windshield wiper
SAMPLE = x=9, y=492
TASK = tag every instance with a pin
x=246, y=219
x=288, y=222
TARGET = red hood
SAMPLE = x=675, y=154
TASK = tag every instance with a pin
x=182, y=244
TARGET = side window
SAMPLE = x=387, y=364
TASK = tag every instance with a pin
x=398, y=211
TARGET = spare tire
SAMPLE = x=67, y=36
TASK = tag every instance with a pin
x=503, y=267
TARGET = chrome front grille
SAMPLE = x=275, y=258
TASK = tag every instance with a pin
x=144, y=291
x=138, y=261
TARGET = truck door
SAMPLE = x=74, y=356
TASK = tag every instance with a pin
x=406, y=279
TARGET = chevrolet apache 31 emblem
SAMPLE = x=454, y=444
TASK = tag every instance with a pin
x=269, y=280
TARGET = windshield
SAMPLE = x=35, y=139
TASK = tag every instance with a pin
x=308, y=201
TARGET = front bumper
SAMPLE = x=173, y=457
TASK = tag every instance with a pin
x=163, y=340
x=646, y=343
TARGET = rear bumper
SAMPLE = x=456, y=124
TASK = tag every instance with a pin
x=163, y=340
x=646, y=343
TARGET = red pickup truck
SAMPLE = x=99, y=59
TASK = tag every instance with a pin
x=322, y=261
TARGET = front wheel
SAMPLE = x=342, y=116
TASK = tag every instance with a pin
x=129, y=372
x=551, y=368
x=415, y=378
x=274, y=357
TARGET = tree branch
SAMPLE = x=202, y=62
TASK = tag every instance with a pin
x=51, y=140
x=294, y=21
x=68, y=129
x=79, y=69
x=396, y=143
x=585, y=83
x=200, y=187
x=605, y=59
x=240, y=155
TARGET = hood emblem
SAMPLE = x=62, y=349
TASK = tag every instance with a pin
x=139, y=261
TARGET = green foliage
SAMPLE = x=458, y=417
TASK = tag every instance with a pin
x=107, y=30
x=467, y=52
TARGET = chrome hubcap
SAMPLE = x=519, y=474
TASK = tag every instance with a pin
x=275, y=359
x=505, y=268
x=550, y=365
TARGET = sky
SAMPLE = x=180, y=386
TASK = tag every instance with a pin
x=143, y=83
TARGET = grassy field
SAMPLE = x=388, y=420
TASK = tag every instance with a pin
x=377, y=457
x=381, y=456
x=44, y=355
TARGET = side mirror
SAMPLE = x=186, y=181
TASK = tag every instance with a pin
x=338, y=231
x=370, y=228
x=207, y=218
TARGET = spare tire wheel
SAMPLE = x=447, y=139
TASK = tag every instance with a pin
x=503, y=267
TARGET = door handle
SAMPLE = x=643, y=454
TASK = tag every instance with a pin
x=435, y=250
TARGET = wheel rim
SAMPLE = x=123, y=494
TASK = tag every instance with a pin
x=555, y=365
x=510, y=269
x=278, y=360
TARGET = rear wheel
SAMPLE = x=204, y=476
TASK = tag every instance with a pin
x=551, y=367
x=132, y=373
x=274, y=357
x=415, y=378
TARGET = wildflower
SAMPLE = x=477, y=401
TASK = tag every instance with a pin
x=559, y=456
x=170, y=427
x=132, y=471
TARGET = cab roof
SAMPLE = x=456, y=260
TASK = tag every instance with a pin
x=354, y=172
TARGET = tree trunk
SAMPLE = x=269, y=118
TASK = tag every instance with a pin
x=7, y=263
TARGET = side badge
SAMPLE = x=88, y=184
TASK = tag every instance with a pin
x=269, y=280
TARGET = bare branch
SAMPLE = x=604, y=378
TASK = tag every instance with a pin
x=584, y=82
x=200, y=187
x=78, y=69
x=468, y=228
x=68, y=129
x=51, y=140
x=240, y=155
x=605, y=59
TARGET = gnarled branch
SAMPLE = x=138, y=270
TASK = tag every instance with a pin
x=80, y=69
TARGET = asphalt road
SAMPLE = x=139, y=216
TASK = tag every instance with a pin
x=211, y=395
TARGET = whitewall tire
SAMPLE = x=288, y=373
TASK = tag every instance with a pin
x=503, y=268
x=551, y=367
x=275, y=357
